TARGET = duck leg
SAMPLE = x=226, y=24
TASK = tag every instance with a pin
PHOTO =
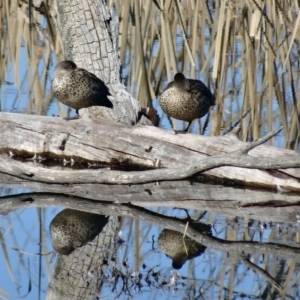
x=183, y=131
x=73, y=118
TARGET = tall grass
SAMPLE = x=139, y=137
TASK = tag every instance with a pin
x=27, y=47
x=245, y=51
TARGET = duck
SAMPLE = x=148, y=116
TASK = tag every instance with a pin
x=78, y=88
x=186, y=99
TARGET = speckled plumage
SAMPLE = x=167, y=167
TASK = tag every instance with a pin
x=181, y=249
x=78, y=88
x=71, y=229
x=186, y=99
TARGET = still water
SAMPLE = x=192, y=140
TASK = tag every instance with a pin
x=131, y=252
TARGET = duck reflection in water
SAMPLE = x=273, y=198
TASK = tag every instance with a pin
x=71, y=229
x=179, y=248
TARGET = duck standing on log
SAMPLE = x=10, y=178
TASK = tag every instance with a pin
x=186, y=99
x=78, y=88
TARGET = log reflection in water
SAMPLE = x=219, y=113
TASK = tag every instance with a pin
x=226, y=200
x=129, y=210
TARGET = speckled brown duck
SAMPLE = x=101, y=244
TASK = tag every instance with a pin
x=71, y=229
x=78, y=88
x=186, y=99
x=181, y=249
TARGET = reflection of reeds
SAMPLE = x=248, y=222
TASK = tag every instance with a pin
x=25, y=266
x=247, y=51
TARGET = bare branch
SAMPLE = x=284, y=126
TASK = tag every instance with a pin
x=258, y=142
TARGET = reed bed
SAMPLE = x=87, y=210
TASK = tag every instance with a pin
x=27, y=46
x=247, y=52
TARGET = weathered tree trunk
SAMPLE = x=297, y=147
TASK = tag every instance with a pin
x=89, y=36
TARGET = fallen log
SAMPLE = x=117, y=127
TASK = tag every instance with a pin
x=169, y=156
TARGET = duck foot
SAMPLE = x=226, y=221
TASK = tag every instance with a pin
x=180, y=131
x=72, y=118
x=183, y=131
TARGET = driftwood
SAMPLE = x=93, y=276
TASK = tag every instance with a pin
x=171, y=156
